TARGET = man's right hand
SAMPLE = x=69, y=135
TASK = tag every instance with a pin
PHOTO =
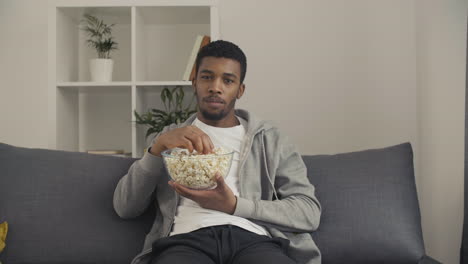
x=189, y=137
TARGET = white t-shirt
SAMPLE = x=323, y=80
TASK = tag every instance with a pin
x=190, y=216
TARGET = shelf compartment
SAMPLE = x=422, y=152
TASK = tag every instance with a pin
x=164, y=38
x=90, y=118
x=72, y=51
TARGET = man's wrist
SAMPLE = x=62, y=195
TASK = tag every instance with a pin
x=154, y=151
x=231, y=212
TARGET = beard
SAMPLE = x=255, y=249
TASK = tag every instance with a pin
x=218, y=115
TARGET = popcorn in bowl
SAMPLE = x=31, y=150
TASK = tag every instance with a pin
x=194, y=170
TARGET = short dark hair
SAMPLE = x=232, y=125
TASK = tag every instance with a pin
x=223, y=49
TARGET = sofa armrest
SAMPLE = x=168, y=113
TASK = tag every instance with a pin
x=428, y=260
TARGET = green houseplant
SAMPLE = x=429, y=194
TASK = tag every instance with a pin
x=99, y=38
x=173, y=112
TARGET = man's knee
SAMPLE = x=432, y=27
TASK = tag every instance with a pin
x=271, y=254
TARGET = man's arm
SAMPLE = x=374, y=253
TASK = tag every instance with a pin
x=297, y=209
x=134, y=192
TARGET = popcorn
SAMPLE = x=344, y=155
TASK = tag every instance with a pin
x=194, y=170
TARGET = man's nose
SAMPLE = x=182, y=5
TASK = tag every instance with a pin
x=216, y=86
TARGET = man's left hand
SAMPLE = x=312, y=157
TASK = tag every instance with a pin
x=220, y=198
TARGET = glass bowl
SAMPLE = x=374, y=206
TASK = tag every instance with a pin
x=196, y=171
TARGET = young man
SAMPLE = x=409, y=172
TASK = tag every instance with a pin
x=265, y=209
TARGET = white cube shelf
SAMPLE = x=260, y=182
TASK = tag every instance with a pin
x=155, y=39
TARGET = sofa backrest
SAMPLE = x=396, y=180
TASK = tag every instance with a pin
x=370, y=209
x=59, y=207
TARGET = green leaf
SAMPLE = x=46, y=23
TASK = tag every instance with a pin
x=159, y=112
x=179, y=97
x=163, y=96
x=149, y=132
x=169, y=97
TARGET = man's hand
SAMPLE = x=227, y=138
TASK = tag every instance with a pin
x=220, y=198
x=188, y=137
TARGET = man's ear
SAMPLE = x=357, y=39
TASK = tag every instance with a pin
x=194, y=84
x=241, y=90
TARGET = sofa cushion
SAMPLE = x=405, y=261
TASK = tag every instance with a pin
x=370, y=211
x=59, y=208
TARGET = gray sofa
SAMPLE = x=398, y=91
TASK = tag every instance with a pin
x=59, y=207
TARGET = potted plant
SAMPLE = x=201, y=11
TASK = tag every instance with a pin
x=174, y=112
x=100, y=38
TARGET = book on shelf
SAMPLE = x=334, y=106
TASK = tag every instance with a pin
x=125, y=155
x=200, y=42
x=111, y=152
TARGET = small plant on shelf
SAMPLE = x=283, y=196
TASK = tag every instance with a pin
x=174, y=112
x=100, y=38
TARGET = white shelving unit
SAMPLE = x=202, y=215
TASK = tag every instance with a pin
x=154, y=37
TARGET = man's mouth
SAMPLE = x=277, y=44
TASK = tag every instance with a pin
x=214, y=101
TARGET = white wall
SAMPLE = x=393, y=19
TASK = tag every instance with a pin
x=441, y=58
x=23, y=73
x=335, y=75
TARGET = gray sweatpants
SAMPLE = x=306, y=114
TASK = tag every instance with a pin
x=224, y=244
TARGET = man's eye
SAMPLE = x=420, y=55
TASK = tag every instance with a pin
x=229, y=81
x=205, y=77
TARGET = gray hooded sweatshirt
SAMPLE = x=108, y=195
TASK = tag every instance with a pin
x=274, y=191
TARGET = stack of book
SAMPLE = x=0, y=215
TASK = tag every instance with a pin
x=200, y=42
x=111, y=152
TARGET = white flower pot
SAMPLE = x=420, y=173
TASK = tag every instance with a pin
x=101, y=70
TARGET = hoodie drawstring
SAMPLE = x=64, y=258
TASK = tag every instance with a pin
x=266, y=165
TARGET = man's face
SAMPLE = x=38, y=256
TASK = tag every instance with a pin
x=217, y=87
